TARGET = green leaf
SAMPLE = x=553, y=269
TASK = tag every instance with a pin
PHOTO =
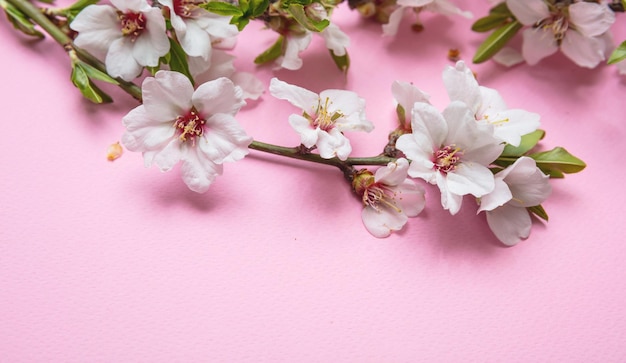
x=95, y=73
x=501, y=9
x=624, y=4
x=619, y=54
x=272, y=52
x=342, y=62
x=72, y=11
x=538, y=211
x=298, y=13
x=496, y=41
x=178, y=60
x=489, y=22
x=222, y=8
x=87, y=88
x=528, y=142
x=258, y=7
x=557, y=162
x=20, y=21
x=401, y=115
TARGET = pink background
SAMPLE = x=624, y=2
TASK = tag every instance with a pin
x=113, y=262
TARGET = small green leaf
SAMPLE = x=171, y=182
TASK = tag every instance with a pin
x=401, y=115
x=557, y=162
x=20, y=21
x=538, y=211
x=528, y=142
x=496, y=41
x=624, y=4
x=258, y=7
x=95, y=73
x=222, y=8
x=178, y=60
x=501, y=9
x=86, y=87
x=619, y=54
x=272, y=52
x=489, y=22
x=342, y=62
x=298, y=13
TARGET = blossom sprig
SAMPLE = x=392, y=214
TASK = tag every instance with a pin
x=580, y=29
x=476, y=146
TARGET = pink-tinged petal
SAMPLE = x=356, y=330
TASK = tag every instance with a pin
x=342, y=101
x=218, y=96
x=427, y=120
x=508, y=57
x=251, y=86
x=169, y=155
x=198, y=172
x=297, y=96
x=418, y=148
x=336, y=40
x=167, y=95
x=155, y=31
x=148, y=137
x=537, y=45
x=584, y=51
x=410, y=197
x=393, y=174
x=333, y=143
x=449, y=201
x=414, y=3
x=219, y=65
x=461, y=85
x=528, y=184
x=406, y=94
x=131, y=5
x=471, y=178
x=500, y=195
x=218, y=26
x=382, y=221
x=591, y=19
x=511, y=125
x=98, y=26
x=509, y=224
x=195, y=41
x=395, y=18
x=224, y=140
x=120, y=61
x=447, y=8
x=528, y=12
x=294, y=45
x=302, y=126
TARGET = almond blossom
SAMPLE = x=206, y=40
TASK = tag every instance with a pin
x=129, y=35
x=450, y=150
x=197, y=29
x=519, y=186
x=488, y=107
x=389, y=198
x=324, y=117
x=444, y=7
x=580, y=29
x=177, y=124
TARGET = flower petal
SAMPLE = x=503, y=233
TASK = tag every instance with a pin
x=251, y=86
x=333, y=143
x=144, y=133
x=97, y=27
x=395, y=18
x=591, y=19
x=297, y=96
x=381, y=222
x=294, y=45
x=406, y=94
x=500, y=195
x=167, y=95
x=584, y=51
x=198, y=172
x=461, y=85
x=120, y=61
x=508, y=57
x=427, y=120
x=537, y=45
x=224, y=140
x=336, y=40
x=471, y=178
x=410, y=197
x=218, y=96
x=509, y=224
x=511, y=125
x=449, y=201
x=308, y=134
x=527, y=183
x=528, y=12
x=393, y=174
x=195, y=41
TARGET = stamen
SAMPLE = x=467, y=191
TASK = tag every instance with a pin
x=133, y=24
x=190, y=126
x=447, y=158
x=379, y=194
x=325, y=120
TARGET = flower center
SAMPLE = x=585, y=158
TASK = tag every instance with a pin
x=324, y=119
x=184, y=8
x=447, y=158
x=558, y=22
x=189, y=126
x=378, y=194
x=132, y=24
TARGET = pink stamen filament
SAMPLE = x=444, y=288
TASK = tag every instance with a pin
x=447, y=158
x=379, y=194
x=190, y=125
x=133, y=24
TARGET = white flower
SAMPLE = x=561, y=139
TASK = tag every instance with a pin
x=389, y=198
x=406, y=95
x=324, y=117
x=444, y=7
x=450, y=150
x=294, y=45
x=197, y=28
x=129, y=36
x=579, y=30
x=518, y=186
x=221, y=65
x=487, y=105
x=176, y=123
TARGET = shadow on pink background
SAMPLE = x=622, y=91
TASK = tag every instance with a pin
x=111, y=262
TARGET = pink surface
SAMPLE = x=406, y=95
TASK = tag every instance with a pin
x=112, y=262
